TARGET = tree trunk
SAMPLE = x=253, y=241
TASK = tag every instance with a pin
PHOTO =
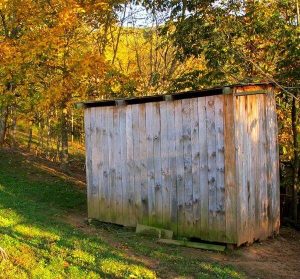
x=14, y=127
x=29, y=136
x=296, y=135
x=3, y=124
x=64, y=138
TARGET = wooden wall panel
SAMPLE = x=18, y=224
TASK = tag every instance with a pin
x=205, y=167
x=137, y=197
x=241, y=166
x=143, y=165
x=212, y=168
x=88, y=159
x=273, y=164
x=165, y=169
x=123, y=166
x=150, y=164
x=172, y=154
x=203, y=171
x=94, y=189
x=179, y=167
x=220, y=179
x=256, y=167
x=196, y=195
x=230, y=171
x=188, y=218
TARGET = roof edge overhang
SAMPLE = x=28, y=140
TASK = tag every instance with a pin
x=220, y=90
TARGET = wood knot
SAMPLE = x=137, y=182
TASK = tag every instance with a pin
x=212, y=180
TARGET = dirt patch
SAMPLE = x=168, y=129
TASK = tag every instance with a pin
x=80, y=221
x=274, y=258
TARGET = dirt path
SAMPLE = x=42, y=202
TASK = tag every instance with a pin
x=273, y=258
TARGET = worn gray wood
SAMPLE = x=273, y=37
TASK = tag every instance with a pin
x=111, y=171
x=187, y=161
x=130, y=168
x=171, y=137
x=123, y=159
x=106, y=212
x=118, y=166
x=264, y=202
x=220, y=179
x=195, y=167
x=88, y=158
x=137, y=163
x=230, y=170
x=203, y=167
x=242, y=191
x=252, y=122
x=95, y=164
x=179, y=167
x=143, y=164
x=165, y=168
x=273, y=165
x=150, y=164
x=203, y=171
x=157, y=163
x=212, y=168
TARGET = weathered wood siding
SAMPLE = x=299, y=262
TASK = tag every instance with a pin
x=257, y=169
x=203, y=167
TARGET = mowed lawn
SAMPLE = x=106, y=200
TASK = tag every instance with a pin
x=40, y=242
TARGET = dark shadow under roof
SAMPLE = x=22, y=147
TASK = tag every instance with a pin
x=228, y=89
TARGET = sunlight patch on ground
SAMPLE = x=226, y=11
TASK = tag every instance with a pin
x=119, y=268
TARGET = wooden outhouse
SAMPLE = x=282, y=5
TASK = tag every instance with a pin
x=203, y=164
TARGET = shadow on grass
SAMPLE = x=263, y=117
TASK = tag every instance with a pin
x=38, y=244
x=33, y=202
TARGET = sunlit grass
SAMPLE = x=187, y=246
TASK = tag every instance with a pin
x=40, y=244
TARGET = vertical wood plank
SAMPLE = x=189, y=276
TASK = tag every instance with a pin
x=187, y=161
x=113, y=137
x=137, y=162
x=220, y=180
x=88, y=160
x=101, y=149
x=263, y=166
x=195, y=166
x=105, y=151
x=179, y=167
x=204, y=216
x=230, y=170
x=150, y=163
x=118, y=164
x=255, y=163
x=272, y=165
x=251, y=147
x=157, y=163
x=242, y=194
x=123, y=160
x=111, y=116
x=212, y=171
x=171, y=134
x=130, y=168
x=166, y=181
x=143, y=164
x=95, y=162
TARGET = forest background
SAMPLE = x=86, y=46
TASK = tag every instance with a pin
x=54, y=53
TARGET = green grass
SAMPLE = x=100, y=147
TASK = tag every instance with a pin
x=40, y=244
